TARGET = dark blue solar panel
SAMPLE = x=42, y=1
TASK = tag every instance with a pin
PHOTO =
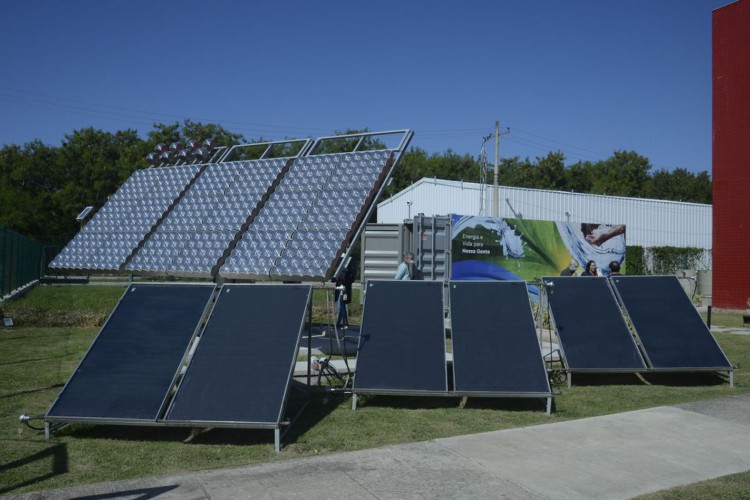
x=130, y=367
x=402, y=339
x=495, y=347
x=671, y=331
x=590, y=327
x=243, y=366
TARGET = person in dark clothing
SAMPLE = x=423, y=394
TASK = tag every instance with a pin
x=590, y=269
x=343, y=295
x=614, y=268
x=571, y=269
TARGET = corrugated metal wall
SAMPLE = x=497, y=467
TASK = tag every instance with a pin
x=649, y=222
x=431, y=197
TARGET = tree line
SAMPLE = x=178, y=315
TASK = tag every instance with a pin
x=43, y=187
x=625, y=173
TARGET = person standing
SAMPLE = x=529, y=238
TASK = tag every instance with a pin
x=405, y=270
x=571, y=269
x=343, y=295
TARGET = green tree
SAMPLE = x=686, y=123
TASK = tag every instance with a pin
x=416, y=163
x=580, y=177
x=680, y=185
x=624, y=174
x=27, y=182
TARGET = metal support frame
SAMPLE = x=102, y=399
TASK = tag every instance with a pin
x=398, y=153
x=405, y=139
x=268, y=148
x=341, y=345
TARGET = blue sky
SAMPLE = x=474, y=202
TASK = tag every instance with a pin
x=583, y=77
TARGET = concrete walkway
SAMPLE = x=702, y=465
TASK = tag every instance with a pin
x=613, y=456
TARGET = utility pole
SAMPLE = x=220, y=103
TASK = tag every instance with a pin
x=496, y=188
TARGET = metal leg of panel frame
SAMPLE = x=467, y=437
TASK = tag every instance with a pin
x=731, y=378
x=570, y=380
x=46, y=431
x=354, y=402
x=277, y=439
x=549, y=405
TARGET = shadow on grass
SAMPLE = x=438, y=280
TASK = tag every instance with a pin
x=409, y=402
x=139, y=494
x=311, y=408
x=307, y=410
x=511, y=404
x=508, y=404
x=34, y=337
x=59, y=455
x=32, y=360
x=321, y=404
x=32, y=391
x=597, y=379
x=125, y=432
x=690, y=379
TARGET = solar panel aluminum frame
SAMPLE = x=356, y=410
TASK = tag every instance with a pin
x=397, y=153
x=64, y=420
x=280, y=421
x=306, y=143
x=729, y=368
x=505, y=394
x=402, y=145
x=564, y=359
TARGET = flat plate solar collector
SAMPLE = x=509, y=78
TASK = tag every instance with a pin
x=495, y=348
x=131, y=365
x=591, y=330
x=242, y=369
x=402, y=339
x=671, y=331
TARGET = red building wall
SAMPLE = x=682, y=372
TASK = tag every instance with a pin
x=731, y=155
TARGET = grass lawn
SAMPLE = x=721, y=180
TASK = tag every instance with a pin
x=37, y=357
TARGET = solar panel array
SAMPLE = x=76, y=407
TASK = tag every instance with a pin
x=193, y=238
x=239, y=375
x=308, y=219
x=106, y=242
x=131, y=365
x=495, y=348
x=591, y=317
x=286, y=218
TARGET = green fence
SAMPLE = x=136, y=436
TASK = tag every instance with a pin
x=22, y=260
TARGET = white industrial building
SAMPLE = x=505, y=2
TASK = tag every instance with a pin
x=650, y=223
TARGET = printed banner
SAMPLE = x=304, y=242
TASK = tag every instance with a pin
x=488, y=248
